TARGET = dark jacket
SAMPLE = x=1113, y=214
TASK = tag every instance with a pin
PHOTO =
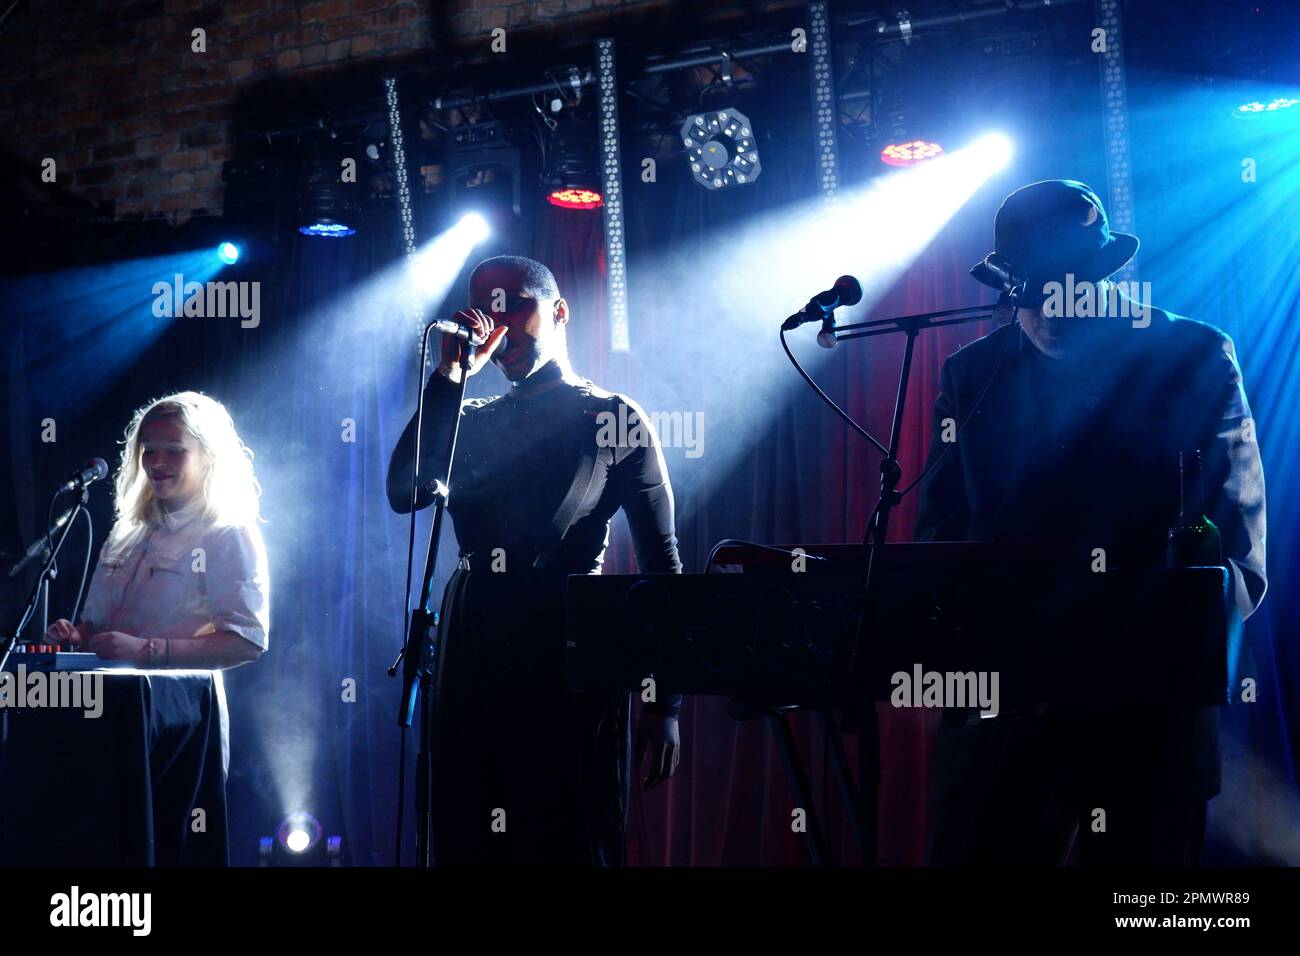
x=1054, y=453
x=1049, y=455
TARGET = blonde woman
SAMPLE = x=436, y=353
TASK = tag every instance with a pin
x=182, y=580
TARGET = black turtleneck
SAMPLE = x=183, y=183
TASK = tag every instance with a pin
x=529, y=461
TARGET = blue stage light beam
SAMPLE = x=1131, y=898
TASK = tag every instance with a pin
x=85, y=327
x=1216, y=198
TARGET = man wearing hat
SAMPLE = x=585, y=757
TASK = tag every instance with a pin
x=1070, y=428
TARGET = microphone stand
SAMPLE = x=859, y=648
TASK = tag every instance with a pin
x=419, y=656
x=861, y=708
x=40, y=593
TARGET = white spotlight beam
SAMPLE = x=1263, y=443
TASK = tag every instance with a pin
x=739, y=283
x=358, y=340
x=432, y=270
x=874, y=234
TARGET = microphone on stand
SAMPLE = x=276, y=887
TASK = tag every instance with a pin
x=999, y=272
x=37, y=548
x=89, y=473
x=821, y=308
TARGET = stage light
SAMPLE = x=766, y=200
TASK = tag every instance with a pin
x=474, y=227
x=299, y=832
x=571, y=177
x=910, y=153
x=228, y=252
x=1260, y=108
x=721, y=149
x=300, y=841
x=328, y=207
x=575, y=198
x=327, y=228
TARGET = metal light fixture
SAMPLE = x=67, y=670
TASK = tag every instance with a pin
x=300, y=840
x=327, y=206
x=721, y=149
x=571, y=177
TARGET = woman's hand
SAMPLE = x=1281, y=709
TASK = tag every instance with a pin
x=116, y=646
x=452, y=347
x=62, y=631
x=658, y=734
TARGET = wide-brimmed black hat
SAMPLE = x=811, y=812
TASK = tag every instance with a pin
x=1052, y=228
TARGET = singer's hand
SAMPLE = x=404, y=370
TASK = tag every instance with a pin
x=63, y=631
x=452, y=347
x=658, y=736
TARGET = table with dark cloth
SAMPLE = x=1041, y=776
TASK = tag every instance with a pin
x=119, y=789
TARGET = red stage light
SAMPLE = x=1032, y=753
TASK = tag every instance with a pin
x=909, y=154
x=575, y=199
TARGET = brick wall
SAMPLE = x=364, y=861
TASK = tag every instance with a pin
x=139, y=124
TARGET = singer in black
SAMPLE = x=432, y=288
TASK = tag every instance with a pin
x=1077, y=438
x=525, y=772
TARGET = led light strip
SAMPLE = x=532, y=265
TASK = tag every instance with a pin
x=1114, y=98
x=414, y=316
x=823, y=96
x=611, y=177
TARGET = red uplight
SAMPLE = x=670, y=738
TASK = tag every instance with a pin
x=575, y=199
x=909, y=154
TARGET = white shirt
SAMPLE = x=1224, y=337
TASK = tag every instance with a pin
x=184, y=578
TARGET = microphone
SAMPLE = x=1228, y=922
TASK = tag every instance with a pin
x=464, y=333
x=38, y=546
x=89, y=473
x=821, y=308
x=998, y=272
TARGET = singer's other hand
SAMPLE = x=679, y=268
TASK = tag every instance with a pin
x=64, y=631
x=658, y=736
x=452, y=347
